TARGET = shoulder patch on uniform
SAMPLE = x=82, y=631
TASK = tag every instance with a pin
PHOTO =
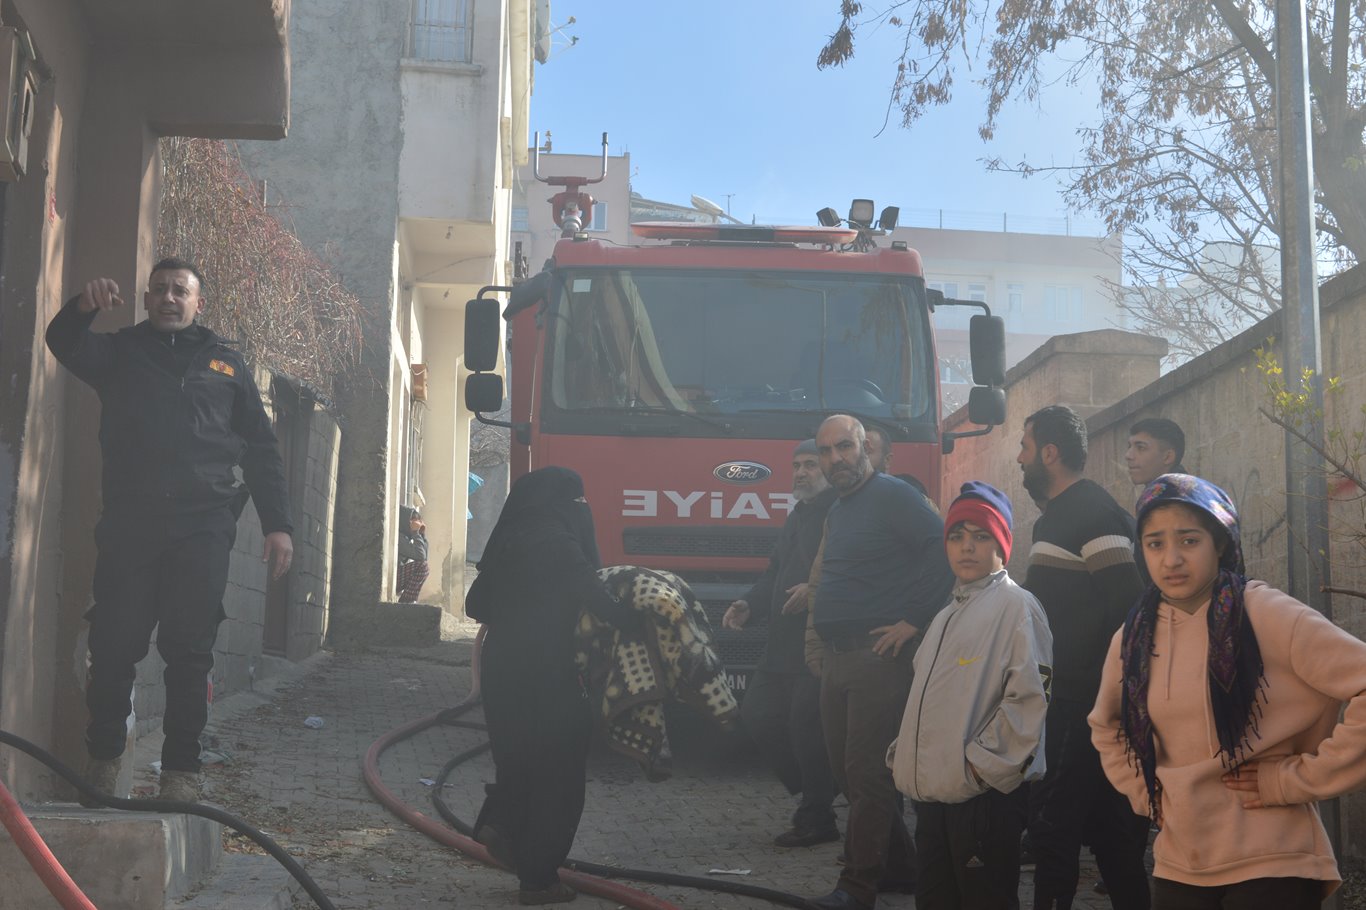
x=220, y=367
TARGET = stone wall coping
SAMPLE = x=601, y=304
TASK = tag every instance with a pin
x=1345, y=286
x=1097, y=341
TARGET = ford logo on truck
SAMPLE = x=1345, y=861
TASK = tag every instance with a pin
x=742, y=472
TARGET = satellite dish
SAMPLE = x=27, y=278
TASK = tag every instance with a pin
x=703, y=204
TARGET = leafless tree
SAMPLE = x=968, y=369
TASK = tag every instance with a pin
x=489, y=445
x=266, y=289
x=1183, y=152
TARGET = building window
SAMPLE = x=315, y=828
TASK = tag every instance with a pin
x=599, y=216
x=519, y=218
x=441, y=30
x=958, y=317
x=1015, y=303
x=948, y=288
x=1015, y=299
x=1063, y=303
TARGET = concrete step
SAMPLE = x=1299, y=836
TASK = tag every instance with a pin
x=121, y=860
x=244, y=881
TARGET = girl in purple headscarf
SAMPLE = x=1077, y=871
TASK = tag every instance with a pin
x=1218, y=714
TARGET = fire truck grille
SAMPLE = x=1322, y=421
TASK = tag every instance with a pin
x=737, y=543
x=739, y=649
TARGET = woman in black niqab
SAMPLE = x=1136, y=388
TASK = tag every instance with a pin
x=538, y=573
x=550, y=495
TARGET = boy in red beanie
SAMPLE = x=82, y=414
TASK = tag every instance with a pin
x=973, y=728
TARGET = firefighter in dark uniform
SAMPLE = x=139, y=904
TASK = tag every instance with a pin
x=179, y=411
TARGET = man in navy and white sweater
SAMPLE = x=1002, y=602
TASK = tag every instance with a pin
x=1082, y=570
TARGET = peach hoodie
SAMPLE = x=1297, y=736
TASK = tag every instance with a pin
x=1303, y=753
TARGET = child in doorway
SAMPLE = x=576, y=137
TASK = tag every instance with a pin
x=412, y=554
x=973, y=728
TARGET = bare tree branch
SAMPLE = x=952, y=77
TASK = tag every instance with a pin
x=1299, y=434
x=1182, y=153
x=264, y=286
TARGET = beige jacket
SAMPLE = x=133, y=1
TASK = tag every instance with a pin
x=1301, y=751
x=979, y=696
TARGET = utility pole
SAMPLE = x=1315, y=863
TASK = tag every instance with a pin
x=1305, y=470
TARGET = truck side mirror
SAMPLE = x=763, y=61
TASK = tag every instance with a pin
x=987, y=346
x=987, y=406
x=484, y=393
x=482, y=327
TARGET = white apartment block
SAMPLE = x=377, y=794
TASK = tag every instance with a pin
x=1041, y=285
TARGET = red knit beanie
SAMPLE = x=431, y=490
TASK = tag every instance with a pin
x=986, y=507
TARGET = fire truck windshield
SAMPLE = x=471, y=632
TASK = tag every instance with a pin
x=715, y=343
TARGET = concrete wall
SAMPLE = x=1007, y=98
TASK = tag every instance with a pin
x=315, y=508
x=36, y=667
x=334, y=180
x=434, y=147
x=1215, y=398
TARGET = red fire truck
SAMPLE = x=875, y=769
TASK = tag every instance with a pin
x=677, y=375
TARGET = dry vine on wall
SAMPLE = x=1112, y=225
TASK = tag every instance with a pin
x=265, y=289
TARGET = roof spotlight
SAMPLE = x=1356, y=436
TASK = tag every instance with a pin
x=861, y=213
x=887, y=220
x=828, y=217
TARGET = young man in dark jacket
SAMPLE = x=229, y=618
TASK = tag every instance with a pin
x=179, y=410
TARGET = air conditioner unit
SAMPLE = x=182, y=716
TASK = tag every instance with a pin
x=18, y=91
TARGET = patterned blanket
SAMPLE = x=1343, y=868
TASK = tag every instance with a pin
x=635, y=675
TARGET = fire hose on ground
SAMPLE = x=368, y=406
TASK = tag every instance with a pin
x=56, y=878
x=30, y=843
x=591, y=878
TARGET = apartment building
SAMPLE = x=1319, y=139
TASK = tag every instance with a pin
x=411, y=119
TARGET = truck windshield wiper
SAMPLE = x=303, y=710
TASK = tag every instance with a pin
x=639, y=408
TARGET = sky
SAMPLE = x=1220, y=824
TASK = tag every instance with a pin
x=724, y=99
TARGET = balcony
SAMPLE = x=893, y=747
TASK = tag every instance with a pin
x=238, y=51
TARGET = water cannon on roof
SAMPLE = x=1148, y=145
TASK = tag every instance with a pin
x=571, y=208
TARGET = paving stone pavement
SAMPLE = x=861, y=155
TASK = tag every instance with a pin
x=303, y=786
